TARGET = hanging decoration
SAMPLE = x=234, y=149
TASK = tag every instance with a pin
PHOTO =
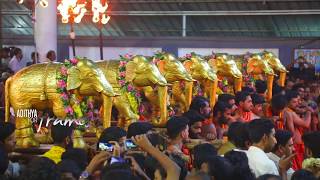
x=43, y=3
x=79, y=108
x=74, y=9
x=133, y=94
x=99, y=12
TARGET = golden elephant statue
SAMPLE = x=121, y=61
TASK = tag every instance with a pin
x=139, y=73
x=225, y=66
x=35, y=87
x=174, y=72
x=201, y=71
x=259, y=67
x=276, y=65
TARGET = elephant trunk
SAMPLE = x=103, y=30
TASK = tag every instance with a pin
x=213, y=91
x=163, y=95
x=237, y=84
x=282, y=78
x=107, y=108
x=188, y=86
x=270, y=78
x=7, y=100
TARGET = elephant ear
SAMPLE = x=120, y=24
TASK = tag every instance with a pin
x=251, y=66
x=187, y=64
x=73, y=80
x=160, y=65
x=130, y=71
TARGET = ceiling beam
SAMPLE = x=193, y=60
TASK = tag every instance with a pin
x=192, y=13
x=198, y=1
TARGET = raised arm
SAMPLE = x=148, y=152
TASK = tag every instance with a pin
x=172, y=169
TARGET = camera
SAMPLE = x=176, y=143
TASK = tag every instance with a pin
x=130, y=144
x=105, y=147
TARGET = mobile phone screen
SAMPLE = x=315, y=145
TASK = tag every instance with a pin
x=130, y=144
x=105, y=147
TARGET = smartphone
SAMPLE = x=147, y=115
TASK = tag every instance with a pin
x=106, y=147
x=130, y=144
x=116, y=160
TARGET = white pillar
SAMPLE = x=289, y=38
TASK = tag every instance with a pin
x=45, y=33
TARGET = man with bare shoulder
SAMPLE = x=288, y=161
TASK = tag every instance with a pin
x=296, y=124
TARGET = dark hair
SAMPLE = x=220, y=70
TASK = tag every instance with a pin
x=276, y=89
x=238, y=134
x=33, y=55
x=69, y=166
x=296, y=87
x=261, y=86
x=4, y=160
x=220, y=106
x=78, y=155
x=241, y=96
x=175, y=125
x=193, y=117
x=291, y=94
x=201, y=152
x=279, y=102
x=311, y=140
x=6, y=129
x=138, y=128
x=282, y=138
x=303, y=174
x=225, y=97
x=257, y=99
x=49, y=53
x=59, y=133
x=41, y=168
x=16, y=51
x=268, y=176
x=118, y=171
x=198, y=102
x=258, y=128
x=220, y=168
x=239, y=160
x=248, y=89
x=112, y=134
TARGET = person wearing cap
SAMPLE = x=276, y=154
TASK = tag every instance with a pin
x=138, y=128
x=257, y=110
x=7, y=143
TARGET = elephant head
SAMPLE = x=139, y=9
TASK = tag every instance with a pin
x=276, y=65
x=172, y=69
x=202, y=72
x=257, y=66
x=227, y=67
x=89, y=79
x=143, y=73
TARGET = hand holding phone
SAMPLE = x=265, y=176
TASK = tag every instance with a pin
x=130, y=144
x=106, y=147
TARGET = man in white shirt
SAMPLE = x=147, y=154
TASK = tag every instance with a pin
x=284, y=147
x=262, y=135
x=17, y=63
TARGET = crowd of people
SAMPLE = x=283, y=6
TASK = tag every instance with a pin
x=243, y=137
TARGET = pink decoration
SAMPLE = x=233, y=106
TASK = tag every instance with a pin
x=64, y=96
x=122, y=63
x=64, y=71
x=128, y=56
x=122, y=74
x=138, y=94
x=188, y=56
x=90, y=105
x=121, y=82
x=74, y=61
x=61, y=84
x=68, y=110
x=130, y=87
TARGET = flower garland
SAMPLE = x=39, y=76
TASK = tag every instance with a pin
x=132, y=93
x=247, y=78
x=74, y=107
